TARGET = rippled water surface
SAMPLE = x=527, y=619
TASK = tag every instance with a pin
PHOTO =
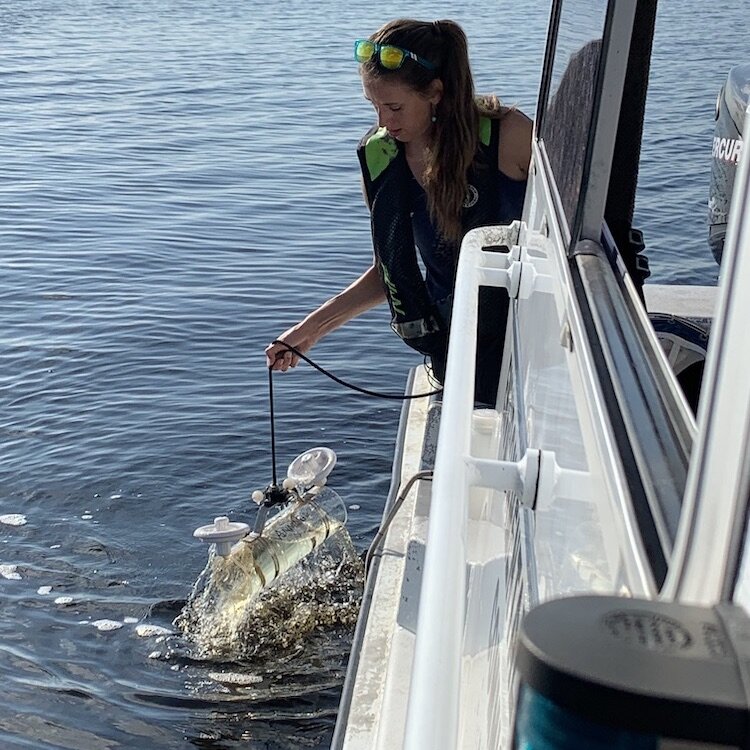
x=178, y=184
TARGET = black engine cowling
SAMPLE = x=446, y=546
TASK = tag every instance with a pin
x=727, y=147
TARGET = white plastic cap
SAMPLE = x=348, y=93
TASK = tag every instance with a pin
x=223, y=533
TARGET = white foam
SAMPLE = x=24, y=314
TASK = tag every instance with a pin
x=13, y=519
x=10, y=572
x=354, y=507
x=87, y=516
x=130, y=620
x=44, y=590
x=64, y=600
x=107, y=624
x=147, y=631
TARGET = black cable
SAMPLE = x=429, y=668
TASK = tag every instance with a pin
x=273, y=428
x=431, y=377
x=365, y=391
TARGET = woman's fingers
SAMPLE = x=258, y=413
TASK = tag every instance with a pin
x=286, y=360
x=270, y=352
x=275, y=356
x=278, y=357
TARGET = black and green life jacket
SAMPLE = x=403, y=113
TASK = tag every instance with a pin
x=387, y=179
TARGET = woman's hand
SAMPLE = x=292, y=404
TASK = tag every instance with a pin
x=278, y=357
x=361, y=295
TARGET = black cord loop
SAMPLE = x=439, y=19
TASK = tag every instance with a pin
x=358, y=389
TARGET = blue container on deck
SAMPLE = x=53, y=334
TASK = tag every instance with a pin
x=602, y=672
x=542, y=724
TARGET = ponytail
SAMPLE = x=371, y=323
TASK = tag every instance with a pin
x=456, y=134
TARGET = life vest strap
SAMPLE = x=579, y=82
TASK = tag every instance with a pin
x=412, y=329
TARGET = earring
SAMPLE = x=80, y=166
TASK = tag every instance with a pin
x=434, y=115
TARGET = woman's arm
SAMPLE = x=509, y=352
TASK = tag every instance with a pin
x=514, y=153
x=358, y=297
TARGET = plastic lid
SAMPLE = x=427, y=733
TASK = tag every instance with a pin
x=312, y=467
x=221, y=530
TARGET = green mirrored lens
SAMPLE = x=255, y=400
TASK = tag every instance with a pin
x=391, y=57
x=364, y=51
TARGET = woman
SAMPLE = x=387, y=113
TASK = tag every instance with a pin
x=437, y=163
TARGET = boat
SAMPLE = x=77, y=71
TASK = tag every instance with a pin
x=610, y=482
x=726, y=149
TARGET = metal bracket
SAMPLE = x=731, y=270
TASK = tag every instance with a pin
x=516, y=272
x=536, y=478
x=520, y=277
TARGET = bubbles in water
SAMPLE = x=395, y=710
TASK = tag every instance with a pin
x=13, y=519
x=63, y=600
x=44, y=590
x=235, y=678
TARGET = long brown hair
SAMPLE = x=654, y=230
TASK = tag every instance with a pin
x=456, y=129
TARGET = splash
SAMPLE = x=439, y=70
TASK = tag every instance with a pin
x=303, y=574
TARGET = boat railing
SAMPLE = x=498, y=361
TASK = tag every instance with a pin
x=432, y=716
x=622, y=366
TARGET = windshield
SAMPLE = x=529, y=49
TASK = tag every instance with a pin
x=568, y=107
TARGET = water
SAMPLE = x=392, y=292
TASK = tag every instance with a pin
x=179, y=185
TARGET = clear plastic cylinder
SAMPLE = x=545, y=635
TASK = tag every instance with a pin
x=294, y=533
x=219, y=613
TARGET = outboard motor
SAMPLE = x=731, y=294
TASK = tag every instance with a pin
x=727, y=147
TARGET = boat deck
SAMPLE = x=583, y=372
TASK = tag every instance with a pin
x=378, y=692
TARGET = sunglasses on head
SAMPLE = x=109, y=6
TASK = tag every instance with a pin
x=390, y=57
